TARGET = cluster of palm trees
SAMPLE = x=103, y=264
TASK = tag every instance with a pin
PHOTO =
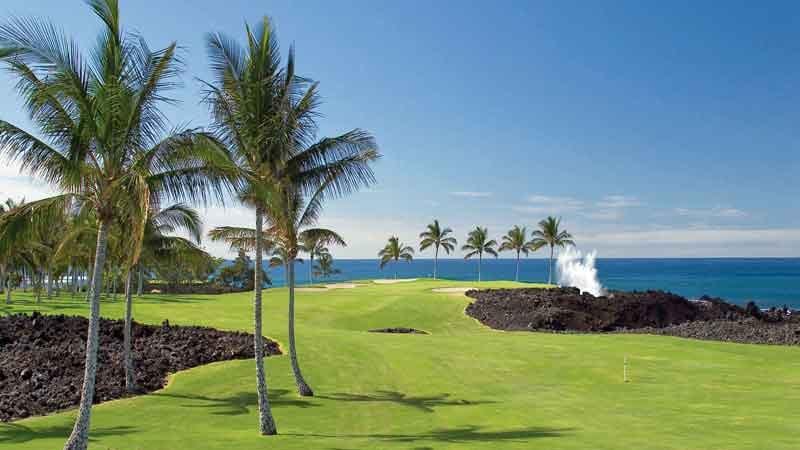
x=103, y=142
x=479, y=243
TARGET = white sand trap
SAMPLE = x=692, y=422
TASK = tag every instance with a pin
x=453, y=290
x=327, y=287
x=341, y=286
x=393, y=281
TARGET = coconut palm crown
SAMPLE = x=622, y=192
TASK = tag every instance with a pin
x=516, y=240
x=550, y=235
x=435, y=236
x=395, y=251
x=478, y=243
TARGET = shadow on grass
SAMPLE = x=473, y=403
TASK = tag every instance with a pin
x=240, y=403
x=422, y=403
x=15, y=433
x=458, y=435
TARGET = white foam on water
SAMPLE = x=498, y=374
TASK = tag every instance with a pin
x=578, y=271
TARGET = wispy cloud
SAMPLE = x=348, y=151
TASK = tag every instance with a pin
x=471, y=194
x=618, y=201
x=546, y=204
x=717, y=211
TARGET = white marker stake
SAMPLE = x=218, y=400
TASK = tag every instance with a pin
x=625, y=369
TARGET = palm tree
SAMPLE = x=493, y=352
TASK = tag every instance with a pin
x=266, y=117
x=395, y=250
x=550, y=235
x=155, y=243
x=317, y=246
x=275, y=243
x=517, y=240
x=478, y=243
x=324, y=267
x=436, y=236
x=102, y=134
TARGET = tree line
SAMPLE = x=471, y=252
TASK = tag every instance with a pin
x=479, y=243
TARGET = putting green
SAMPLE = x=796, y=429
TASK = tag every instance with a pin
x=462, y=386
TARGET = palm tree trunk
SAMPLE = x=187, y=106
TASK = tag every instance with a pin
x=435, y=262
x=302, y=387
x=127, y=341
x=140, y=281
x=550, y=267
x=114, y=285
x=8, y=291
x=517, y=276
x=79, y=439
x=38, y=287
x=266, y=421
x=310, y=268
x=49, y=275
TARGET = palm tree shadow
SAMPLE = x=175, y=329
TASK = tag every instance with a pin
x=459, y=435
x=15, y=433
x=239, y=403
x=422, y=403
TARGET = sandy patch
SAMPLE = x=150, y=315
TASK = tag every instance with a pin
x=341, y=286
x=453, y=290
x=392, y=281
x=327, y=287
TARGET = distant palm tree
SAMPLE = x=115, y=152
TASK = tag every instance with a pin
x=324, y=267
x=436, y=236
x=395, y=250
x=550, y=235
x=478, y=243
x=316, y=245
x=517, y=240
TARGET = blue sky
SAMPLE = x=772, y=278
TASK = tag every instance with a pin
x=652, y=128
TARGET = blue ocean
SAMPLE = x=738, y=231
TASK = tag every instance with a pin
x=767, y=281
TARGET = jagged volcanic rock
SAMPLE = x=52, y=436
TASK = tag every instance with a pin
x=658, y=312
x=42, y=358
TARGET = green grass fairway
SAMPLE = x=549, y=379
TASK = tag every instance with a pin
x=463, y=386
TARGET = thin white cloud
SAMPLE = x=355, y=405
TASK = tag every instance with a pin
x=471, y=194
x=705, y=236
x=546, y=204
x=717, y=211
x=618, y=201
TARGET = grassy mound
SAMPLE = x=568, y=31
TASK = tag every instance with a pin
x=462, y=386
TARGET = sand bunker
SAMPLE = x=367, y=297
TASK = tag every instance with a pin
x=393, y=281
x=341, y=286
x=453, y=290
x=327, y=287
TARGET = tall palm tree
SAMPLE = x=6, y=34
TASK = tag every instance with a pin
x=266, y=117
x=395, y=250
x=517, y=240
x=478, y=243
x=317, y=246
x=102, y=134
x=549, y=234
x=435, y=236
